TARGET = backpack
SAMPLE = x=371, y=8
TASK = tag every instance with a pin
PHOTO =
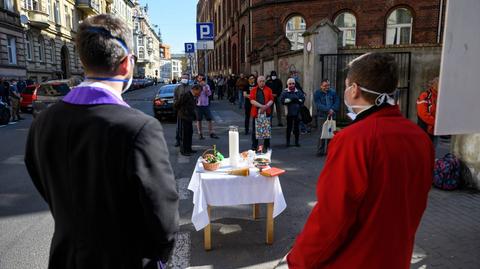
x=305, y=115
x=446, y=174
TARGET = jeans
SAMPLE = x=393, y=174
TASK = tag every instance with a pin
x=293, y=122
x=241, y=98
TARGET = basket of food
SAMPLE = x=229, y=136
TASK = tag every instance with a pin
x=211, y=159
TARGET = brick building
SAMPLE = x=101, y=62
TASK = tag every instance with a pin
x=254, y=35
x=244, y=29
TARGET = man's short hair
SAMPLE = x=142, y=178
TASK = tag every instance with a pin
x=325, y=80
x=103, y=41
x=196, y=87
x=374, y=71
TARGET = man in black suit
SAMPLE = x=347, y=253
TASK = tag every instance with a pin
x=186, y=106
x=103, y=167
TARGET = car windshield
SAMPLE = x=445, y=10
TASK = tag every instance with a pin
x=29, y=89
x=53, y=90
x=167, y=90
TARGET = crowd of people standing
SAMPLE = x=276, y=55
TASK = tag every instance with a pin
x=10, y=97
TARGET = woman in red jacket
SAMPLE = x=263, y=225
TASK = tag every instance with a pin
x=261, y=99
x=374, y=186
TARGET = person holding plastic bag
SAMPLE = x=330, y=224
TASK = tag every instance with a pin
x=261, y=98
x=293, y=99
x=327, y=104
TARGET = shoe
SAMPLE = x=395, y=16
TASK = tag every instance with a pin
x=297, y=145
x=186, y=153
x=192, y=151
x=320, y=154
x=21, y=118
x=201, y=137
x=214, y=136
x=177, y=145
x=288, y=144
x=280, y=125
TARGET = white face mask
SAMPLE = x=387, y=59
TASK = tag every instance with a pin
x=381, y=99
x=274, y=77
x=184, y=81
x=130, y=79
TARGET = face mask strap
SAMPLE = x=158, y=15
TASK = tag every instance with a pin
x=108, y=79
x=382, y=97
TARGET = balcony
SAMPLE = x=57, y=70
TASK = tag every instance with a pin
x=109, y=1
x=90, y=7
x=38, y=19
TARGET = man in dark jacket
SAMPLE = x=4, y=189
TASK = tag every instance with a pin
x=293, y=99
x=186, y=107
x=275, y=84
x=103, y=167
x=182, y=88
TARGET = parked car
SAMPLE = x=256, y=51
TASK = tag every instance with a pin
x=163, y=102
x=4, y=113
x=49, y=93
x=29, y=94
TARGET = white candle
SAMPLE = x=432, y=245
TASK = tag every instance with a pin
x=233, y=146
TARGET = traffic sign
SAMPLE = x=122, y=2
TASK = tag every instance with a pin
x=189, y=47
x=205, y=31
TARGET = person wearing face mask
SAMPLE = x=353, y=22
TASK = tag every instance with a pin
x=114, y=198
x=181, y=89
x=293, y=99
x=373, y=189
x=248, y=106
x=274, y=83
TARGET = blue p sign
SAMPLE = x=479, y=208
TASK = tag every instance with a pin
x=189, y=47
x=204, y=31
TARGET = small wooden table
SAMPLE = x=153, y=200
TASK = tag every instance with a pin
x=209, y=190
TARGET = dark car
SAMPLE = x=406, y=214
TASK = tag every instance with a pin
x=163, y=102
x=29, y=94
x=49, y=93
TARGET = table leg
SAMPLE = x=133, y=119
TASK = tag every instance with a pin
x=207, y=234
x=256, y=211
x=270, y=223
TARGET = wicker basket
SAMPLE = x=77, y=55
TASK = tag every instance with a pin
x=209, y=166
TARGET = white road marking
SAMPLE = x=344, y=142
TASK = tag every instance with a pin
x=181, y=253
x=17, y=159
x=182, y=186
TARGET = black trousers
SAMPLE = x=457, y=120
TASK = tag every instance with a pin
x=266, y=142
x=178, y=134
x=187, y=133
x=248, y=108
x=293, y=122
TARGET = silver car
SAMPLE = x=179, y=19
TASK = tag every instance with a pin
x=48, y=94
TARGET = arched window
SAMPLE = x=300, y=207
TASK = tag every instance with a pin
x=28, y=46
x=294, y=29
x=399, y=27
x=41, y=49
x=347, y=23
x=141, y=53
x=52, y=51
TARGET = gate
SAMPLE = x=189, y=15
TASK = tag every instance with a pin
x=334, y=68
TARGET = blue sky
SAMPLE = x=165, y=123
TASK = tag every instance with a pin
x=176, y=19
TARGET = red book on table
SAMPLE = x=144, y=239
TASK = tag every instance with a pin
x=272, y=172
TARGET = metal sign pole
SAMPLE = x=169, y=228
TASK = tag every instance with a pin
x=206, y=63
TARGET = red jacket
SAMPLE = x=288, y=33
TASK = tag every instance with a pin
x=371, y=196
x=268, y=97
x=426, y=108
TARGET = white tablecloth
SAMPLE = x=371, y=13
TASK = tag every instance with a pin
x=227, y=190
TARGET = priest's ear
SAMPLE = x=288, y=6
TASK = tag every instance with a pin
x=126, y=66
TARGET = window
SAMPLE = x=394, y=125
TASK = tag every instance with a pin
x=162, y=52
x=137, y=26
x=8, y=4
x=28, y=47
x=12, y=50
x=141, y=53
x=56, y=12
x=399, y=27
x=68, y=20
x=28, y=4
x=347, y=23
x=41, y=49
x=294, y=30
x=74, y=19
x=49, y=9
x=52, y=51
x=140, y=40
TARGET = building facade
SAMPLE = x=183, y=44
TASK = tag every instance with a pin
x=250, y=31
x=12, y=52
x=146, y=42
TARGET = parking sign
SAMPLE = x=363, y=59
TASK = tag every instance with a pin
x=189, y=47
x=205, y=31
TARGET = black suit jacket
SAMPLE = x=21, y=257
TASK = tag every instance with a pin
x=104, y=171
